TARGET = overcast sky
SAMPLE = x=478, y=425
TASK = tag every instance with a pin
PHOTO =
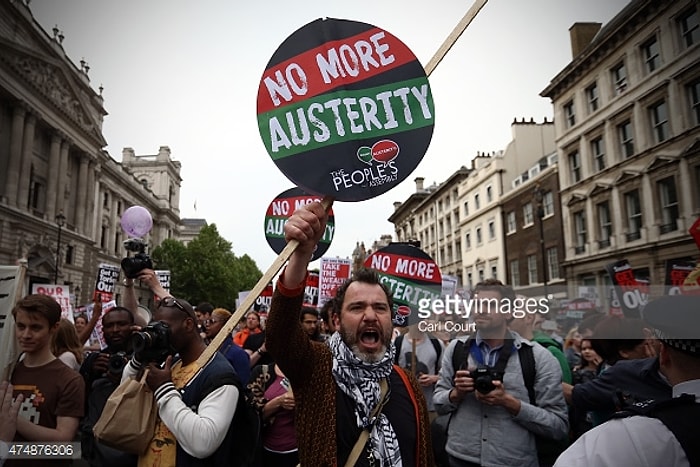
x=185, y=74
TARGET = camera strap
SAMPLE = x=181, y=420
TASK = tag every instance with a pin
x=503, y=354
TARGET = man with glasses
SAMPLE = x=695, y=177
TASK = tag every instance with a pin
x=196, y=405
x=236, y=356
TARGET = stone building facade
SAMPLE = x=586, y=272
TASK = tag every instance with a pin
x=627, y=114
x=53, y=166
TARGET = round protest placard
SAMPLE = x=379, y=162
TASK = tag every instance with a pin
x=345, y=109
x=411, y=275
x=281, y=208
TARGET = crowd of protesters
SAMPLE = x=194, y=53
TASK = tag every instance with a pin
x=336, y=386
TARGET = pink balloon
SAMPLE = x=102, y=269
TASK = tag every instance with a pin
x=137, y=221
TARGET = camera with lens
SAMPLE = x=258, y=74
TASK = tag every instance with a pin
x=117, y=362
x=484, y=376
x=133, y=265
x=152, y=343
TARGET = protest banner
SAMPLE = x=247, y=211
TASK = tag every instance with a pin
x=311, y=289
x=410, y=274
x=345, y=109
x=281, y=208
x=631, y=292
x=163, y=276
x=97, y=336
x=332, y=273
x=263, y=301
x=318, y=176
x=107, y=275
x=449, y=285
x=680, y=278
x=11, y=290
x=60, y=293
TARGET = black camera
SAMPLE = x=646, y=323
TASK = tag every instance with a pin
x=133, y=265
x=152, y=343
x=484, y=376
x=116, y=363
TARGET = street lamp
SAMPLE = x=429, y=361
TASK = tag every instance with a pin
x=538, y=193
x=60, y=221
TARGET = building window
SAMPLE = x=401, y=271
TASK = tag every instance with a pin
x=650, y=53
x=570, y=114
x=619, y=78
x=70, y=253
x=37, y=193
x=514, y=273
x=105, y=200
x=481, y=275
x=492, y=230
x=694, y=95
x=689, y=27
x=605, y=224
x=466, y=208
x=478, y=236
x=659, y=121
x=511, y=223
x=575, y=166
x=468, y=240
x=494, y=272
x=598, y=151
x=527, y=214
x=624, y=133
x=532, y=269
x=580, y=232
x=552, y=263
x=669, y=205
x=634, y=215
x=548, y=204
x=592, y=97
x=103, y=237
x=477, y=203
x=470, y=282
x=489, y=194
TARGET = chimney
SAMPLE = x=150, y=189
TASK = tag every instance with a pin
x=581, y=35
x=128, y=155
x=419, y=183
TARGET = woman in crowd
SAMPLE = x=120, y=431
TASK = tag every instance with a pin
x=274, y=399
x=589, y=369
x=66, y=345
x=572, y=348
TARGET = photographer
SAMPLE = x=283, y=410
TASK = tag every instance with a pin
x=196, y=404
x=102, y=372
x=493, y=422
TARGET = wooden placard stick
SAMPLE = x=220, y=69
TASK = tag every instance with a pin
x=254, y=293
x=454, y=35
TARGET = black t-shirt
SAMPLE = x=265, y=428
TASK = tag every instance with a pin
x=400, y=412
x=253, y=343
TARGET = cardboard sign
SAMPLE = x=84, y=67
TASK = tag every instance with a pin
x=281, y=209
x=332, y=273
x=107, y=275
x=345, y=109
x=632, y=293
x=60, y=293
x=163, y=278
x=311, y=289
x=410, y=274
x=679, y=278
x=97, y=334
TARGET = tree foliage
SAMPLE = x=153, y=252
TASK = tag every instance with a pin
x=206, y=269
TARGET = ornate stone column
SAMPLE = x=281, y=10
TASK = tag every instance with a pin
x=92, y=193
x=27, y=154
x=62, y=175
x=81, y=205
x=53, y=176
x=15, y=164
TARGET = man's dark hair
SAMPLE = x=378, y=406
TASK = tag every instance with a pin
x=205, y=307
x=37, y=304
x=328, y=310
x=590, y=322
x=307, y=310
x=615, y=334
x=367, y=276
x=505, y=291
x=118, y=309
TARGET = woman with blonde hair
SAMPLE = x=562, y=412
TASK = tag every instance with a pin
x=66, y=345
x=572, y=348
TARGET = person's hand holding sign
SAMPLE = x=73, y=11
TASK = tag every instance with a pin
x=305, y=226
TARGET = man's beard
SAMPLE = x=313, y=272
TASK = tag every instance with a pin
x=350, y=339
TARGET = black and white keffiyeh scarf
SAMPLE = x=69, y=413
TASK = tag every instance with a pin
x=360, y=381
